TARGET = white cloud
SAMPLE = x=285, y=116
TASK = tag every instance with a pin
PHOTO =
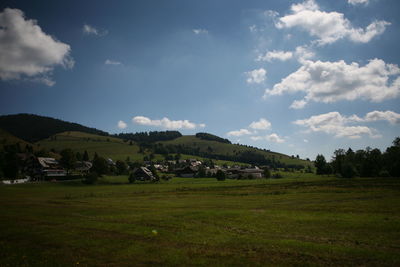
x=122, y=125
x=253, y=28
x=356, y=2
x=303, y=53
x=278, y=55
x=271, y=13
x=90, y=30
x=328, y=27
x=262, y=124
x=238, y=133
x=167, y=123
x=335, y=124
x=112, y=62
x=390, y=116
x=200, y=31
x=256, y=76
x=275, y=138
x=298, y=104
x=330, y=82
x=25, y=50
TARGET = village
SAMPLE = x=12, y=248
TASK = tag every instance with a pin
x=35, y=169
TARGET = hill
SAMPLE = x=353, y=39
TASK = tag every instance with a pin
x=55, y=135
x=33, y=128
x=106, y=146
x=225, y=151
x=8, y=139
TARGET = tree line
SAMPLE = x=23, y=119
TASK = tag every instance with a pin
x=211, y=137
x=363, y=163
x=149, y=137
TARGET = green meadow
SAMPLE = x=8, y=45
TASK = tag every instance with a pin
x=290, y=221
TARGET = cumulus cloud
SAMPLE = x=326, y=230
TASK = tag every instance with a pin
x=301, y=53
x=122, y=125
x=328, y=27
x=278, y=55
x=329, y=82
x=90, y=30
x=167, y=123
x=256, y=76
x=262, y=124
x=390, y=116
x=112, y=62
x=356, y=2
x=200, y=31
x=238, y=133
x=26, y=51
x=275, y=138
x=341, y=126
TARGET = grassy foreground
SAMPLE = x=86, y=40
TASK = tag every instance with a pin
x=304, y=221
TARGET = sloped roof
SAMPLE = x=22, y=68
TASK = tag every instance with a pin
x=47, y=162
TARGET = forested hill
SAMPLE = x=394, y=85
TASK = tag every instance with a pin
x=33, y=128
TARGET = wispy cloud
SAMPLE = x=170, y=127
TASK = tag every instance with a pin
x=256, y=76
x=112, y=62
x=200, y=31
x=357, y=2
x=91, y=30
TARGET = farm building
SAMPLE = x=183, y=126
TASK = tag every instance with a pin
x=143, y=174
x=235, y=173
x=49, y=168
x=187, y=172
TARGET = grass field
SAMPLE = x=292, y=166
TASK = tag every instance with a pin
x=290, y=221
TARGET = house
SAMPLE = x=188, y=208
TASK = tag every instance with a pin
x=48, y=168
x=110, y=162
x=143, y=174
x=235, y=173
x=187, y=172
x=83, y=166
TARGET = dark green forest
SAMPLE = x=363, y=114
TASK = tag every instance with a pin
x=363, y=163
x=33, y=128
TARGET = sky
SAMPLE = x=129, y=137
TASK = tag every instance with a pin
x=298, y=77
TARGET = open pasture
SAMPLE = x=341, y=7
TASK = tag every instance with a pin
x=303, y=221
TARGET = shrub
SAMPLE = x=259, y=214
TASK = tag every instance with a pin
x=277, y=175
x=91, y=178
x=131, y=178
x=267, y=173
x=220, y=175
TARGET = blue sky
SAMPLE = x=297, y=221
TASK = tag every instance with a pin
x=297, y=77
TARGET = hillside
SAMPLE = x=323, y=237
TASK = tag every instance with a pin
x=106, y=146
x=33, y=128
x=55, y=135
x=219, y=150
x=8, y=139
